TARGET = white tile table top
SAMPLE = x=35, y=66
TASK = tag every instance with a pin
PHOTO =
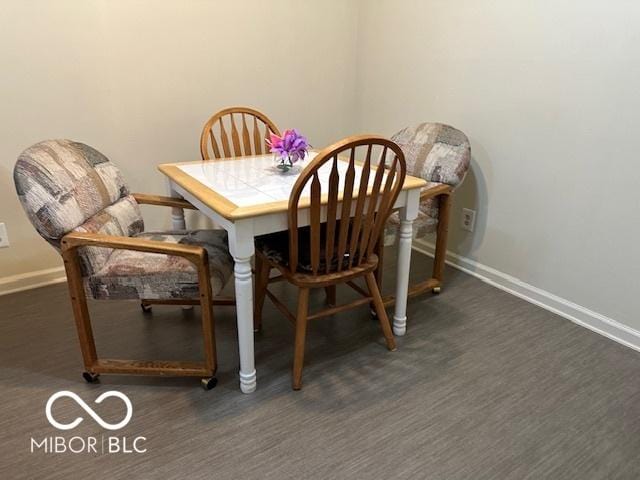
x=255, y=180
x=245, y=187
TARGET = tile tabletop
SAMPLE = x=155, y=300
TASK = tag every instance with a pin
x=244, y=185
x=246, y=181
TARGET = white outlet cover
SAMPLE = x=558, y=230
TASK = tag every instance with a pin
x=468, y=219
x=4, y=237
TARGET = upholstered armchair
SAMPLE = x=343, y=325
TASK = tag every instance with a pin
x=78, y=201
x=441, y=155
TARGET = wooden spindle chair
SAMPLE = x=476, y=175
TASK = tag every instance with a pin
x=222, y=141
x=345, y=218
x=221, y=137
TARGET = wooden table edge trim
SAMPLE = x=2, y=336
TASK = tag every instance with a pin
x=208, y=197
x=230, y=210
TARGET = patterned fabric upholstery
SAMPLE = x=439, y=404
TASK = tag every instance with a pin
x=62, y=184
x=275, y=246
x=122, y=219
x=439, y=154
x=129, y=274
x=66, y=186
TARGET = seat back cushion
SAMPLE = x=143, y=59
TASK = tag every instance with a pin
x=436, y=152
x=67, y=186
x=122, y=219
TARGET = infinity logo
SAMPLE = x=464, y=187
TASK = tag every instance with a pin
x=89, y=410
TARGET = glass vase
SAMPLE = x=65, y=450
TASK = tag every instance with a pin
x=284, y=163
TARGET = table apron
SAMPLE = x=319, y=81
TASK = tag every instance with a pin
x=274, y=222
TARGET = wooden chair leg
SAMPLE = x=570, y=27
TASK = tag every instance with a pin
x=444, y=213
x=80, y=311
x=330, y=293
x=262, y=281
x=301, y=334
x=95, y=366
x=382, y=313
x=379, y=251
x=208, y=323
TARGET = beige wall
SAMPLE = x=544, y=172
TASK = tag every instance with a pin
x=137, y=79
x=548, y=93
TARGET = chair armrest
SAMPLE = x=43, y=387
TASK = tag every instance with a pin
x=146, y=199
x=74, y=240
x=440, y=189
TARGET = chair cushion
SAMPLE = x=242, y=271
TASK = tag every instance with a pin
x=436, y=152
x=61, y=184
x=122, y=219
x=275, y=246
x=128, y=274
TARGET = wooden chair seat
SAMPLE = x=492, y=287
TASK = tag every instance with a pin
x=275, y=247
x=310, y=280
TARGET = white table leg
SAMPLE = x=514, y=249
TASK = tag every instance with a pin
x=405, y=236
x=178, y=223
x=177, y=219
x=177, y=214
x=242, y=249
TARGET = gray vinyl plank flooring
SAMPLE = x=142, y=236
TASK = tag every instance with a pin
x=483, y=386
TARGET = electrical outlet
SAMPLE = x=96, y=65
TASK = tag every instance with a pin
x=468, y=219
x=4, y=238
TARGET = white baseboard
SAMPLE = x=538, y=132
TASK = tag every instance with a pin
x=578, y=314
x=27, y=281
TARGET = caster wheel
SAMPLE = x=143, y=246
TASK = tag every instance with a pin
x=90, y=377
x=436, y=290
x=145, y=308
x=209, y=383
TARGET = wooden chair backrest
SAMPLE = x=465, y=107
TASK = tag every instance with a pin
x=221, y=138
x=363, y=204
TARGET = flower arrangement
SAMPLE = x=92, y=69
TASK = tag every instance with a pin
x=290, y=147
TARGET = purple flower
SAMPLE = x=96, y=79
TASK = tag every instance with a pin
x=291, y=144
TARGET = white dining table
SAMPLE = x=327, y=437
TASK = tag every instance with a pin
x=248, y=197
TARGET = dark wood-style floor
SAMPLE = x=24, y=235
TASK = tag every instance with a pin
x=483, y=386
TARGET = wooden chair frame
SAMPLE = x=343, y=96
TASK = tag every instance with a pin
x=367, y=211
x=195, y=254
x=239, y=142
